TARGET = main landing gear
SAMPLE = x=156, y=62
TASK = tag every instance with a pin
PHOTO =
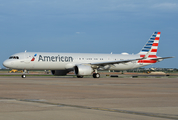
x=96, y=75
x=78, y=76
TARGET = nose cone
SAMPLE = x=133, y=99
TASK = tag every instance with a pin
x=7, y=63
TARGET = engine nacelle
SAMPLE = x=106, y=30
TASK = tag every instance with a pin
x=83, y=70
x=59, y=72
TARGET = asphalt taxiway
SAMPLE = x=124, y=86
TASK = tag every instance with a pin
x=67, y=98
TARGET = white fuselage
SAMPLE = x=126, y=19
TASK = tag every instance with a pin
x=85, y=63
x=63, y=61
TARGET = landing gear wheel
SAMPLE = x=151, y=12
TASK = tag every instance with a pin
x=79, y=76
x=23, y=76
x=96, y=75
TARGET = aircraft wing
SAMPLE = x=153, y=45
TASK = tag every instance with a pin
x=115, y=62
x=125, y=61
x=120, y=61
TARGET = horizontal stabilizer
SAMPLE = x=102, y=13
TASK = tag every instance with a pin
x=161, y=58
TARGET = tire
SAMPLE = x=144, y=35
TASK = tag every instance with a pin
x=79, y=76
x=96, y=75
x=23, y=76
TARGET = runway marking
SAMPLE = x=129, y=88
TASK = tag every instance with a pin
x=166, y=116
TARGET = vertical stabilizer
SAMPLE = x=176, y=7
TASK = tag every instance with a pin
x=151, y=44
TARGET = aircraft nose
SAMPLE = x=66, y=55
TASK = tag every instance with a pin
x=6, y=63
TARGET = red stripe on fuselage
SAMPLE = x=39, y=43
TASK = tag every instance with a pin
x=142, y=55
x=147, y=61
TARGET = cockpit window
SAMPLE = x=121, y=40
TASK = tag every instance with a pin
x=13, y=57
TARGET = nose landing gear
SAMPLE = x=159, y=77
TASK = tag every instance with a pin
x=24, y=74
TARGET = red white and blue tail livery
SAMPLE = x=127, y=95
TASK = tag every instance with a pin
x=151, y=44
x=84, y=63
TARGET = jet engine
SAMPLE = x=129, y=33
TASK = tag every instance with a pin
x=83, y=70
x=59, y=72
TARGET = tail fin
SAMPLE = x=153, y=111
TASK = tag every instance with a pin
x=151, y=44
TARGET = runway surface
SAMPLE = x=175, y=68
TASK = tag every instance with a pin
x=44, y=98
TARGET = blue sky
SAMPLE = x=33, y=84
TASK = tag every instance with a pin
x=88, y=26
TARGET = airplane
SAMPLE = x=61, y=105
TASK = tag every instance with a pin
x=85, y=63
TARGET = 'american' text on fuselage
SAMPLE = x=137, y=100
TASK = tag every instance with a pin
x=55, y=58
